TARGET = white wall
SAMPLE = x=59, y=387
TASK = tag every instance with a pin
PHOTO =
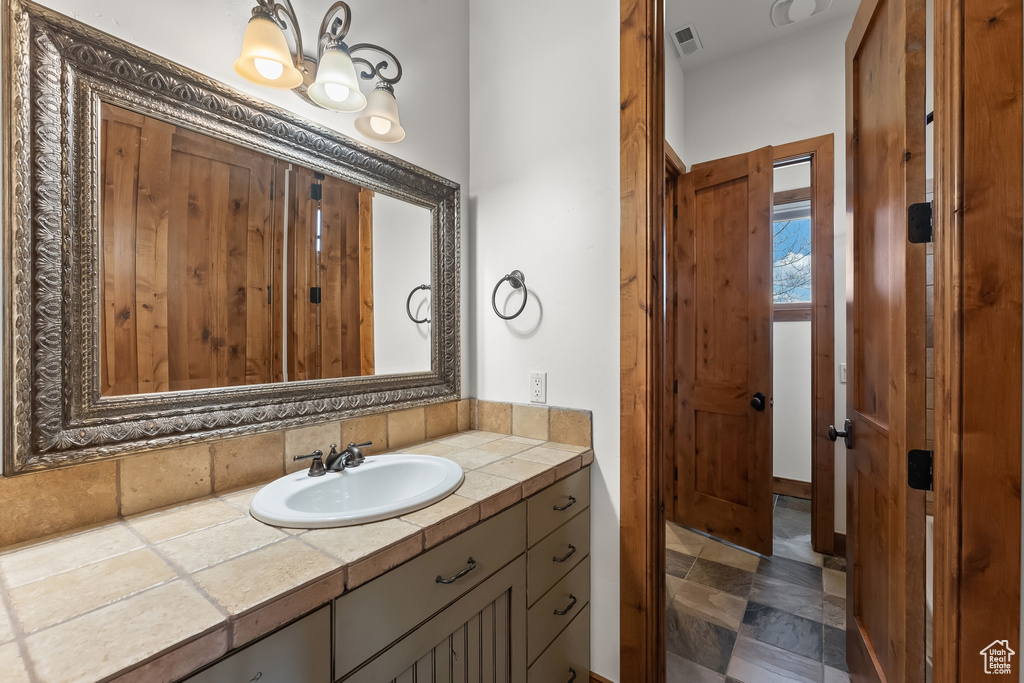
x=544, y=198
x=401, y=262
x=791, y=391
x=674, y=91
x=779, y=93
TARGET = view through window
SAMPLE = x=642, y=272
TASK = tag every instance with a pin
x=791, y=257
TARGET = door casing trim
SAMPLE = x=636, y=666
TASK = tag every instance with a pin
x=821, y=152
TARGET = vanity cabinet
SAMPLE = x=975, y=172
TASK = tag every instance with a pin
x=371, y=617
x=300, y=651
x=558, y=581
x=480, y=637
x=506, y=601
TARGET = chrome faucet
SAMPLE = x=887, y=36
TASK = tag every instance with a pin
x=352, y=456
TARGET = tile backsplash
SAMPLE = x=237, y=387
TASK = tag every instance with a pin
x=44, y=503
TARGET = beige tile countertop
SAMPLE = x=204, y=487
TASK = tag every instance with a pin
x=158, y=595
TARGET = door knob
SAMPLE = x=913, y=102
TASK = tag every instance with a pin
x=847, y=434
x=758, y=402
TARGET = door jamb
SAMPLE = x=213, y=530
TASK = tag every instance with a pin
x=642, y=195
x=978, y=329
x=821, y=152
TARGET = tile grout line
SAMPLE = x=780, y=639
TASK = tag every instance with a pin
x=820, y=664
x=19, y=632
x=4, y=594
x=186, y=577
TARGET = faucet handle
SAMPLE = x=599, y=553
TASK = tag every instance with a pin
x=355, y=454
x=316, y=469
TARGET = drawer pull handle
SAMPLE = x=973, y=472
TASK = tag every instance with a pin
x=562, y=508
x=471, y=567
x=568, y=608
x=258, y=676
x=563, y=558
x=573, y=677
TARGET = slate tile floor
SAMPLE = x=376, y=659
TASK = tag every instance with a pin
x=736, y=617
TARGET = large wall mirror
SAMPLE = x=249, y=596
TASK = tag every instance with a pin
x=189, y=262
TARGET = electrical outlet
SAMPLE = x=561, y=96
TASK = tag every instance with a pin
x=842, y=373
x=538, y=387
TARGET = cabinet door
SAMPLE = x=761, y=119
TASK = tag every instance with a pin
x=377, y=614
x=481, y=637
x=299, y=652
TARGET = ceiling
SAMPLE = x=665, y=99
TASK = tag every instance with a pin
x=729, y=27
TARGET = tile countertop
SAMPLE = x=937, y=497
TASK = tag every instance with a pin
x=160, y=594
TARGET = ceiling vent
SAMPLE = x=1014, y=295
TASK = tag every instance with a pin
x=786, y=12
x=686, y=40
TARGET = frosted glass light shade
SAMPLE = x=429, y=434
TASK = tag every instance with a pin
x=337, y=86
x=379, y=121
x=264, y=54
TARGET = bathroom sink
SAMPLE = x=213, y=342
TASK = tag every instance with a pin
x=384, y=486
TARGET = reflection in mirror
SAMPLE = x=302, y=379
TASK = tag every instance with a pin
x=401, y=264
x=222, y=266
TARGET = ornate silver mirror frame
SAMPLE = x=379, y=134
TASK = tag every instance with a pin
x=56, y=73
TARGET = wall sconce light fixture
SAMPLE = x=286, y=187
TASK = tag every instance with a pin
x=331, y=80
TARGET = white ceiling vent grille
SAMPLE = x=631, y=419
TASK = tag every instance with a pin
x=786, y=12
x=686, y=40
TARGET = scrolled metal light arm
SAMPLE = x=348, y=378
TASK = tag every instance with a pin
x=333, y=30
x=376, y=70
x=273, y=10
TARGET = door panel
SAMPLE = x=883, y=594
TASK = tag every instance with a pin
x=325, y=339
x=186, y=258
x=886, y=340
x=720, y=293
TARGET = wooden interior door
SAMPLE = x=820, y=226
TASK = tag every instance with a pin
x=886, y=340
x=186, y=231
x=720, y=349
x=330, y=333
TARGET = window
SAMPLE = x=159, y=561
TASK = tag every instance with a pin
x=791, y=253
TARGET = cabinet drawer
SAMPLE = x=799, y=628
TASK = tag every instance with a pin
x=299, y=652
x=556, y=555
x=568, y=658
x=570, y=595
x=380, y=612
x=557, y=504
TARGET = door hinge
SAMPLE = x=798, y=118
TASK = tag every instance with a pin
x=919, y=223
x=314, y=295
x=675, y=211
x=675, y=473
x=919, y=470
x=270, y=294
x=675, y=386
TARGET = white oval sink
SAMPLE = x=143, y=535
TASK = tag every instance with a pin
x=384, y=486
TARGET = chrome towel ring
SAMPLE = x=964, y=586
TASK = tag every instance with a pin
x=517, y=280
x=408, y=305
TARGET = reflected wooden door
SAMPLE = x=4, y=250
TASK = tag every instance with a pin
x=330, y=273
x=186, y=223
x=719, y=296
x=886, y=340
